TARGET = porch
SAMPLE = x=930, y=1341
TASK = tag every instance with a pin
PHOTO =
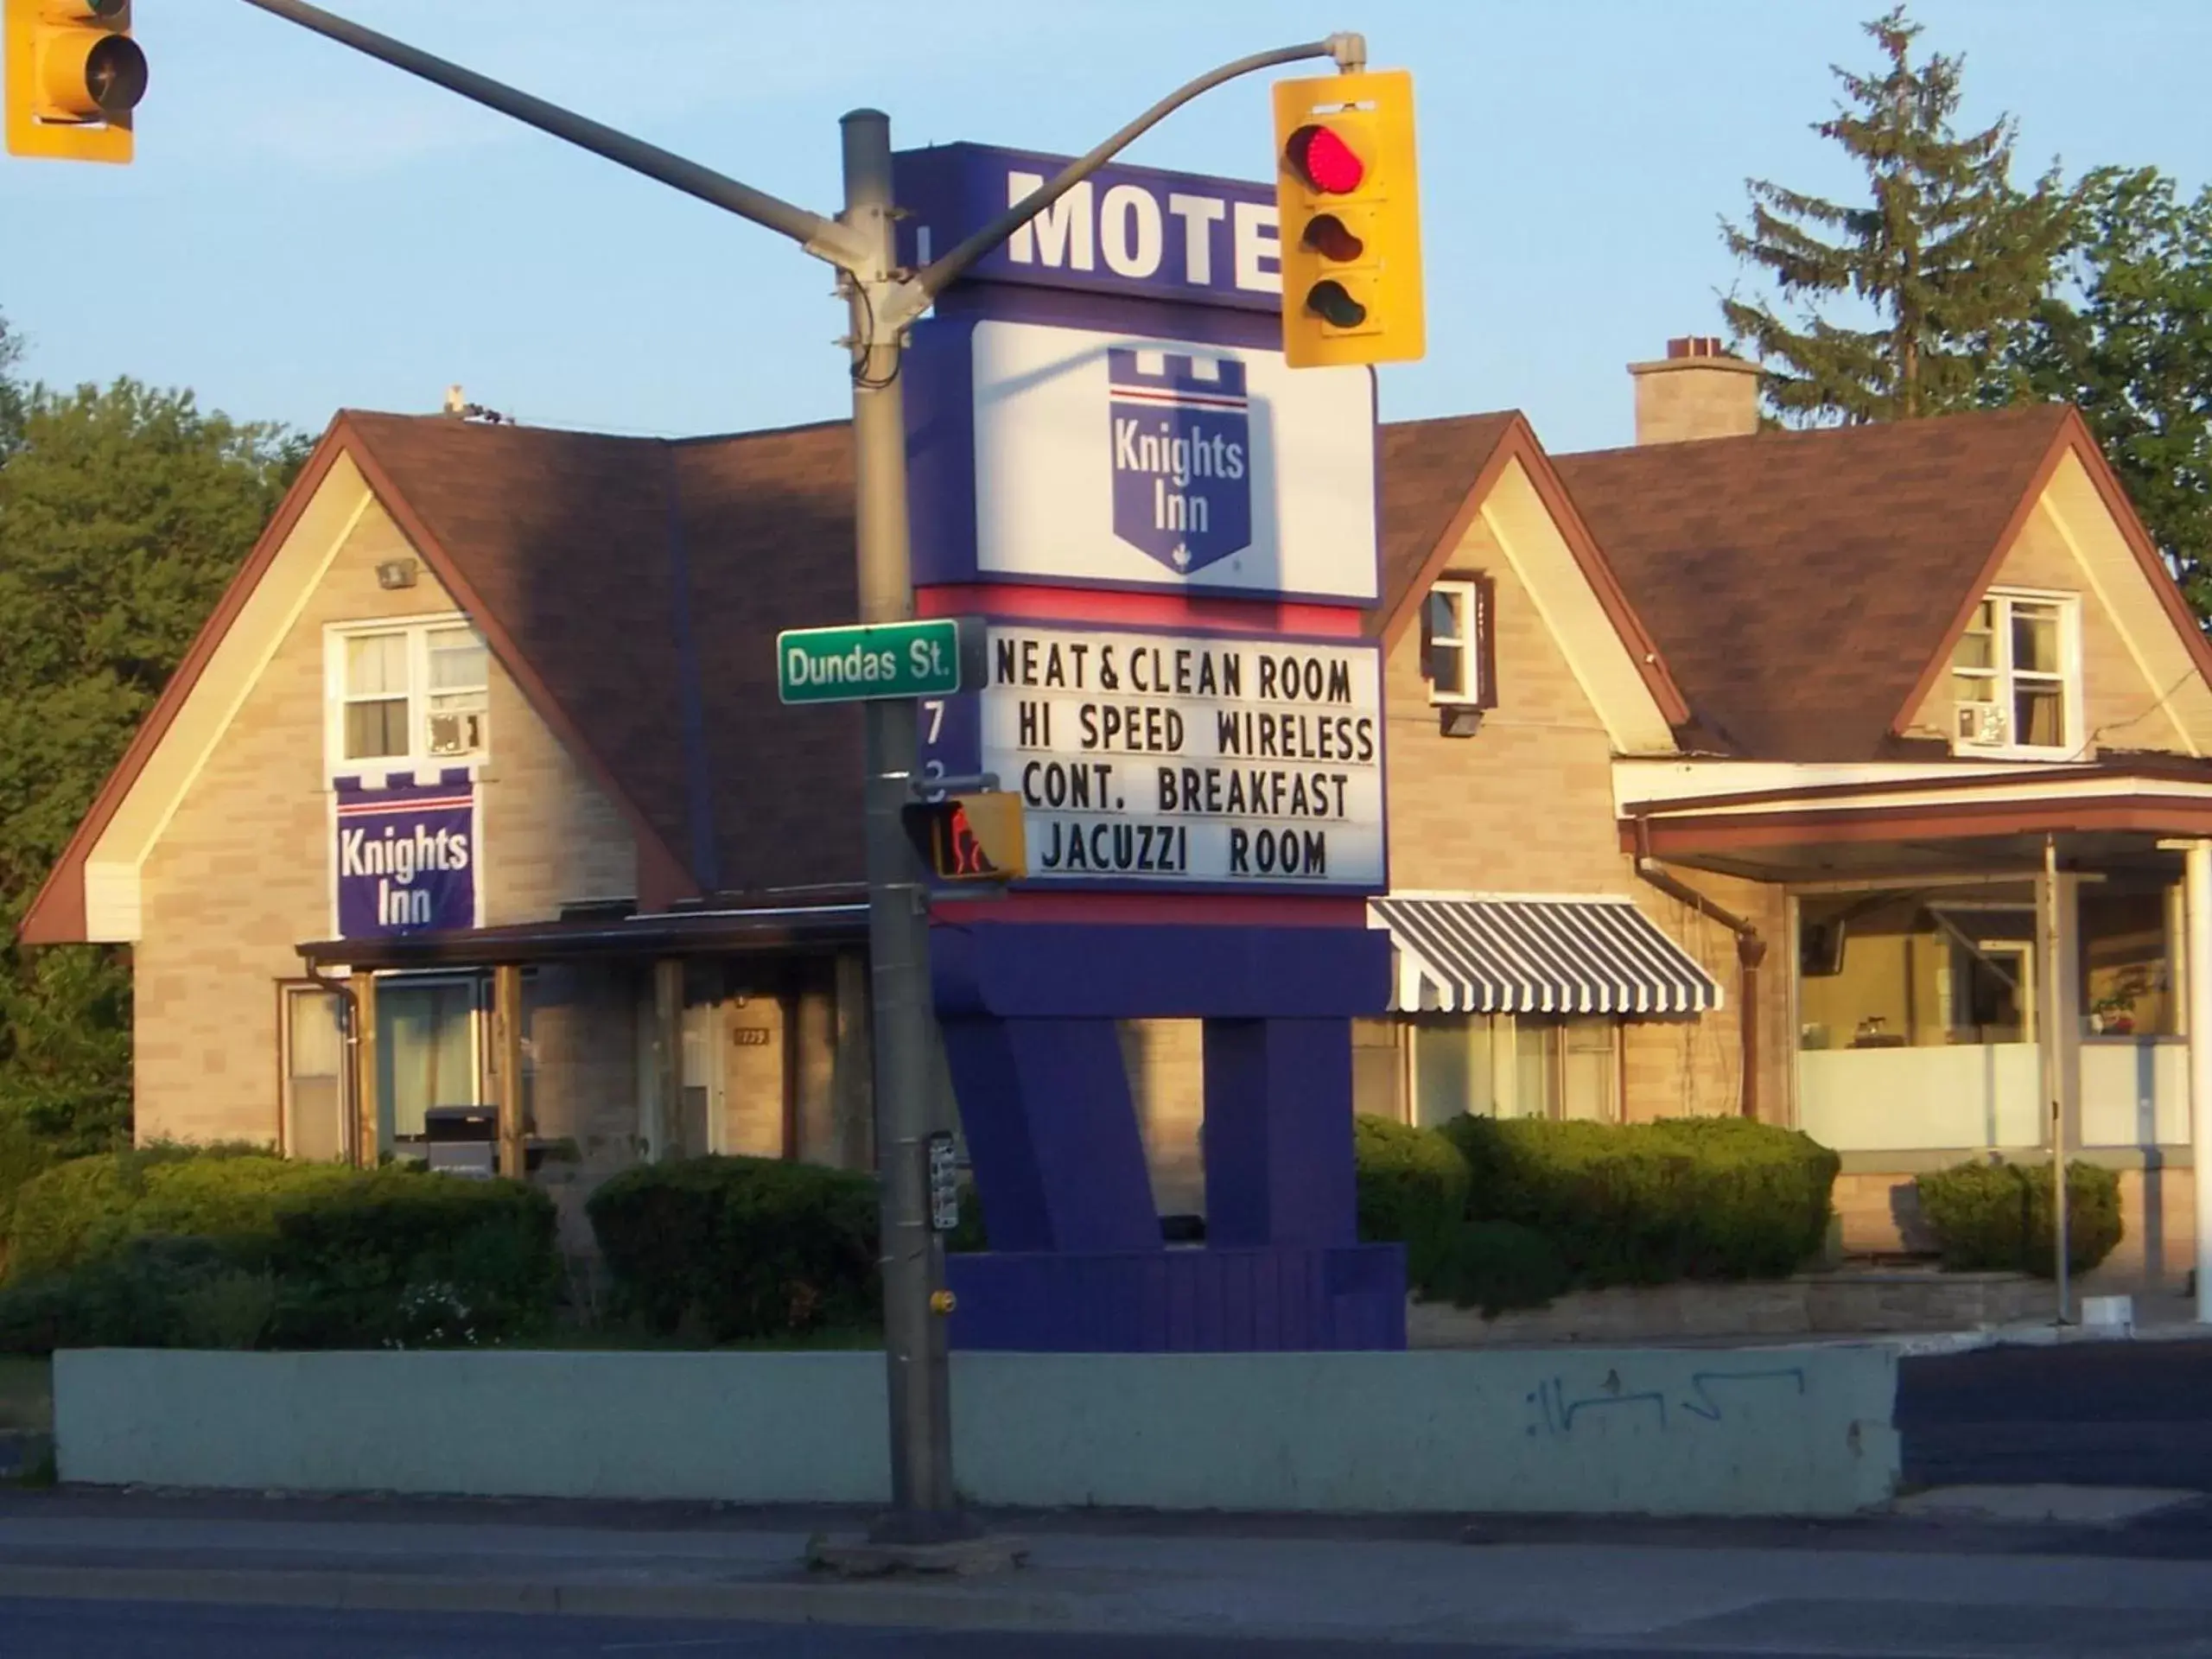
x=1982, y=960
x=579, y=1046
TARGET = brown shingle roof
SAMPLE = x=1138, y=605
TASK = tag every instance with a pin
x=637, y=586
x=1799, y=583
x=1427, y=467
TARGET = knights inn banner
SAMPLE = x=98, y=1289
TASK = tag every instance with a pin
x=406, y=856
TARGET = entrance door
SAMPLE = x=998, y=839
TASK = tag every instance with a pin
x=755, y=1078
x=429, y=1054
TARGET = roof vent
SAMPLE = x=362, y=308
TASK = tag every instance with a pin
x=459, y=408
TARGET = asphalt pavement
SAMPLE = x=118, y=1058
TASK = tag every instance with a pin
x=2104, y=1414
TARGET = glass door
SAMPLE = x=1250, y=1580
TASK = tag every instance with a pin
x=429, y=1054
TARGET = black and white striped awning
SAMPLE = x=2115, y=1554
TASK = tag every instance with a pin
x=1509, y=955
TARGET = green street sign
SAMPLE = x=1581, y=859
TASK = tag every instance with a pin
x=880, y=659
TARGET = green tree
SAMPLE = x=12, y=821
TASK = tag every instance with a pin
x=1945, y=261
x=123, y=511
x=12, y=393
x=2125, y=336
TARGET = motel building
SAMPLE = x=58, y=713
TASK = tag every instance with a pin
x=1830, y=778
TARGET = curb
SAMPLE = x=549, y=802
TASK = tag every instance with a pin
x=874, y=1603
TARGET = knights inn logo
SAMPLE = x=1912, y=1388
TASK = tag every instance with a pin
x=1182, y=455
x=406, y=856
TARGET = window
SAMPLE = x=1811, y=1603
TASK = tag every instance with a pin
x=409, y=694
x=315, y=1091
x=1455, y=642
x=2013, y=684
x=1503, y=1066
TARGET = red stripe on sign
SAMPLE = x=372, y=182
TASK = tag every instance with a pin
x=1139, y=610
x=431, y=802
x=1177, y=399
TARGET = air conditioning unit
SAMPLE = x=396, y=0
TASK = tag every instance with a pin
x=458, y=731
x=1982, y=725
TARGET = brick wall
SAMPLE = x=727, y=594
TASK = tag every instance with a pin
x=241, y=873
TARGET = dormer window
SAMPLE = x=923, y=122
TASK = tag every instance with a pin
x=2016, y=684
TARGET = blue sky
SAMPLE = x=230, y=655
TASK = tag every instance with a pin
x=305, y=229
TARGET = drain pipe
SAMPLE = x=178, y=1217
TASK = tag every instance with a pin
x=344, y=990
x=1750, y=951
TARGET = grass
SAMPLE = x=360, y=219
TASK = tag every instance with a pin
x=26, y=1394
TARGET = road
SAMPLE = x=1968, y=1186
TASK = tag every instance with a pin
x=56, y=1629
x=2093, y=1415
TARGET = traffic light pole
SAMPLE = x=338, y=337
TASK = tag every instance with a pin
x=883, y=302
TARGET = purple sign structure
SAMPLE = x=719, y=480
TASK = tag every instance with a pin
x=1182, y=441
x=406, y=856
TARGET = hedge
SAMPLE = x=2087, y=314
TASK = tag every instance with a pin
x=1649, y=1203
x=1412, y=1187
x=229, y=1248
x=1997, y=1218
x=727, y=1247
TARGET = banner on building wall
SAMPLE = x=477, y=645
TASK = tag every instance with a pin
x=406, y=856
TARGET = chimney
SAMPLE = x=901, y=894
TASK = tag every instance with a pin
x=1696, y=391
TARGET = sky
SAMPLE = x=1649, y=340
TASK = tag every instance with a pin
x=306, y=230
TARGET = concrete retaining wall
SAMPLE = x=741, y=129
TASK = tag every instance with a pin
x=1783, y=1431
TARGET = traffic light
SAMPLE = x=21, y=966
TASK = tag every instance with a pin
x=971, y=838
x=73, y=76
x=1349, y=198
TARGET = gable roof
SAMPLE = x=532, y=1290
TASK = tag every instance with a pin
x=1436, y=476
x=635, y=587
x=1806, y=586
x=632, y=589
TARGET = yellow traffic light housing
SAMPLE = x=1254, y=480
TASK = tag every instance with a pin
x=976, y=837
x=1348, y=193
x=74, y=75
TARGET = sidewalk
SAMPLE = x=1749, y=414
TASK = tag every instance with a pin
x=1899, y=1585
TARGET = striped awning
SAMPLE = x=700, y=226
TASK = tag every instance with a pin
x=1512, y=955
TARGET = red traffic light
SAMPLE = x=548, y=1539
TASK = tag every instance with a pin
x=1324, y=160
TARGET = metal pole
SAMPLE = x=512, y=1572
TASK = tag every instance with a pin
x=2056, y=1011
x=913, y=1257
x=2198, y=976
x=817, y=235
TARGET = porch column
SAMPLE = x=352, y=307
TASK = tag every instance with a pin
x=506, y=1024
x=663, y=1104
x=2197, y=977
x=365, y=1146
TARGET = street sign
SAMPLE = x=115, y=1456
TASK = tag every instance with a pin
x=866, y=660
x=944, y=1183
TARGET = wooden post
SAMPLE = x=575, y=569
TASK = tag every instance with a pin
x=668, y=1060
x=367, y=1143
x=507, y=1022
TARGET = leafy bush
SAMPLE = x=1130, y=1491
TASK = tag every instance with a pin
x=348, y=1257
x=90, y=1207
x=732, y=1248
x=1997, y=1218
x=1648, y=1203
x=1412, y=1187
x=149, y=1292
x=233, y=1247
x=1494, y=1266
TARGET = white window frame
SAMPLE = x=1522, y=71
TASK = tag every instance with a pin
x=421, y=697
x=479, y=985
x=2004, y=678
x=1473, y=620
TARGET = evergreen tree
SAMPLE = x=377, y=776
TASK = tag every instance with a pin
x=1949, y=259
